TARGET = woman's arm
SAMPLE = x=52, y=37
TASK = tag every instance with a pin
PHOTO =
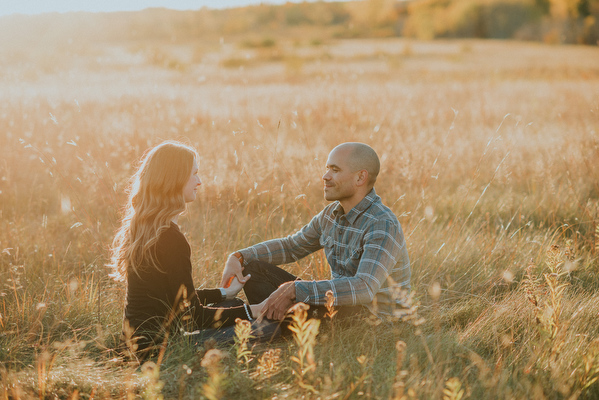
x=174, y=255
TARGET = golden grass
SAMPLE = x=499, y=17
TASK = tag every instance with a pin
x=489, y=153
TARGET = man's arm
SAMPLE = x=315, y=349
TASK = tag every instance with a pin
x=276, y=251
x=384, y=247
x=288, y=249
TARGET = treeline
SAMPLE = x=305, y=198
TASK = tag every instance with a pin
x=551, y=21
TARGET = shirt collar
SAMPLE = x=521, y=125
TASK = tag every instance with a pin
x=359, y=208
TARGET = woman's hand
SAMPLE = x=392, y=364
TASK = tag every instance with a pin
x=232, y=270
x=257, y=310
x=235, y=287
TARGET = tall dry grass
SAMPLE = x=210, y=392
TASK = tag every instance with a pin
x=489, y=154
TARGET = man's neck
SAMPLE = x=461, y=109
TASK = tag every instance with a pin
x=354, y=201
x=347, y=205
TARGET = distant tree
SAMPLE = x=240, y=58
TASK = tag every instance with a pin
x=295, y=14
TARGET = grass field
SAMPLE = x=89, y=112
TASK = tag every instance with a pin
x=490, y=159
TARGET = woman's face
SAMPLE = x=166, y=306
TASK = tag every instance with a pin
x=191, y=187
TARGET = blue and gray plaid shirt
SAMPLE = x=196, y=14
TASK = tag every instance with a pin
x=365, y=249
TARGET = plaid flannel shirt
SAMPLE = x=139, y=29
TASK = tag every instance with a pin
x=365, y=249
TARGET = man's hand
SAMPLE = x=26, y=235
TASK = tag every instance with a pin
x=232, y=270
x=279, y=301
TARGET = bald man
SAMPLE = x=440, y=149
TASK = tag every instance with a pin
x=362, y=240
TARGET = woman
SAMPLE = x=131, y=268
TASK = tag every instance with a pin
x=154, y=258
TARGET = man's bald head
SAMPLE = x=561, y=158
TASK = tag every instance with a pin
x=361, y=156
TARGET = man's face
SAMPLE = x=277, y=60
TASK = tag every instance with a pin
x=339, y=180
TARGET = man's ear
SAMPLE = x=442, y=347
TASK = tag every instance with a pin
x=362, y=177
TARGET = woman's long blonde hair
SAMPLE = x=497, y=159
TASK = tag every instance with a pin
x=155, y=197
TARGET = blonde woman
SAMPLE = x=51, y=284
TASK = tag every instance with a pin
x=153, y=256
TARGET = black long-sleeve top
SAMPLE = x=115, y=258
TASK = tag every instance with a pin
x=153, y=296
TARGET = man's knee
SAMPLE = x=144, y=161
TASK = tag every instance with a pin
x=250, y=267
x=259, y=286
x=256, y=268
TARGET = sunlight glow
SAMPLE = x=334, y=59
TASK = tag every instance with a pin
x=31, y=7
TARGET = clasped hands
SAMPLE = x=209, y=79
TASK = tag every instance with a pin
x=274, y=307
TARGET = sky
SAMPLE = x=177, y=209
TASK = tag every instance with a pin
x=8, y=7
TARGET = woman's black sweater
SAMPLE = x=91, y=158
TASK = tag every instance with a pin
x=156, y=300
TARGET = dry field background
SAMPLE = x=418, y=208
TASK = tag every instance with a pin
x=490, y=159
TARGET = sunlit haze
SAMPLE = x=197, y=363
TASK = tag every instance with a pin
x=46, y=6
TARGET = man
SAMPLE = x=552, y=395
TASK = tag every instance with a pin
x=362, y=239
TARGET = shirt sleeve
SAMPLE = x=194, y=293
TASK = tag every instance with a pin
x=288, y=249
x=207, y=296
x=382, y=250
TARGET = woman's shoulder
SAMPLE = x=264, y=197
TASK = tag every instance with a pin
x=172, y=237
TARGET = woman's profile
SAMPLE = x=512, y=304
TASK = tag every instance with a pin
x=153, y=257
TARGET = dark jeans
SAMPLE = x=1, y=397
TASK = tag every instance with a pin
x=263, y=331
x=266, y=278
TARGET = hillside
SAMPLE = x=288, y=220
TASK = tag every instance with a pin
x=551, y=21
